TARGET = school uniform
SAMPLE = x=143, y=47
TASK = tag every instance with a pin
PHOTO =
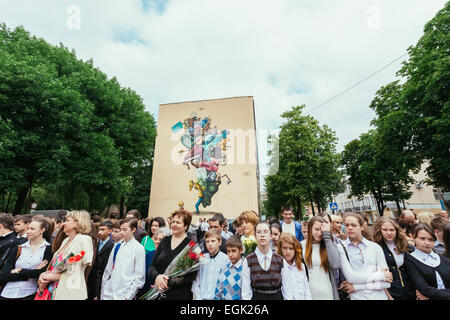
x=430, y=274
x=124, y=277
x=101, y=260
x=362, y=266
x=24, y=284
x=229, y=284
x=296, y=286
x=402, y=287
x=204, y=285
x=262, y=276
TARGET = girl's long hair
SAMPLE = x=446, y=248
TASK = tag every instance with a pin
x=401, y=241
x=325, y=264
x=292, y=240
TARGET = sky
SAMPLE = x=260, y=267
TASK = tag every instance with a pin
x=282, y=52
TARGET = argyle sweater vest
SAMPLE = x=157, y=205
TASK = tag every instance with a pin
x=265, y=280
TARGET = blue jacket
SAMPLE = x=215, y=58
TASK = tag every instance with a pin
x=298, y=230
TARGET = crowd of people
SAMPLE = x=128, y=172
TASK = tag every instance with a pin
x=74, y=256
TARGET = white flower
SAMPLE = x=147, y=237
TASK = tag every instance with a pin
x=197, y=251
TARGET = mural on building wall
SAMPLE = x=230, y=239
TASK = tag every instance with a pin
x=205, y=149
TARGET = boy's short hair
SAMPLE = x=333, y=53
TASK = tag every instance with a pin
x=234, y=241
x=25, y=218
x=212, y=233
x=218, y=217
x=438, y=223
x=7, y=221
x=133, y=222
x=115, y=224
x=107, y=224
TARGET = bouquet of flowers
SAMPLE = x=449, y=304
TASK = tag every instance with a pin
x=61, y=264
x=187, y=261
x=249, y=244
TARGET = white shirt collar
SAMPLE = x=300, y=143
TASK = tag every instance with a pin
x=364, y=241
x=420, y=255
x=236, y=265
x=261, y=255
x=28, y=245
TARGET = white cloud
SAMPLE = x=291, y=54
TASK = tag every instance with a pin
x=283, y=52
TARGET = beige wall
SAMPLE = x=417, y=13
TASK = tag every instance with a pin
x=170, y=180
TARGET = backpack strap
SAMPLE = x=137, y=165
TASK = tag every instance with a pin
x=345, y=250
x=19, y=251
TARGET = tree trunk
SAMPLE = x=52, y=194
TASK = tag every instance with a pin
x=107, y=211
x=122, y=202
x=21, y=197
x=398, y=206
x=8, y=203
x=299, y=209
x=312, y=207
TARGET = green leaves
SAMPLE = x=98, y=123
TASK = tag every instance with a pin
x=308, y=163
x=65, y=126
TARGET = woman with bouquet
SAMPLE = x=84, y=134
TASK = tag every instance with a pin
x=178, y=288
x=247, y=221
x=65, y=278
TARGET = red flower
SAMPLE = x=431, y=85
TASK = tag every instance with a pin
x=191, y=255
x=192, y=244
x=82, y=253
x=77, y=258
x=72, y=260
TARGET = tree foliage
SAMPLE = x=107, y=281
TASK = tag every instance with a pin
x=308, y=164
x=65, y=127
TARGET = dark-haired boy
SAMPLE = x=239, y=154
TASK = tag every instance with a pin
x=104, y=248
x=125, y=272
x=229, y=284
x=21, y=227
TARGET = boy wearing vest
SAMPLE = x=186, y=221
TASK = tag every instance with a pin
x=230, y=277
x=262, y=275
x=204, y=285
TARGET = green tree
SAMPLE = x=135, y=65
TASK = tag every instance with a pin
x=66, y=127
x=415, y=115
x=308, y=164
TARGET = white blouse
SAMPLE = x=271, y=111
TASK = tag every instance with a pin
x=26, y=260
x=296, y=285
x=365, y=269
x=399, y=257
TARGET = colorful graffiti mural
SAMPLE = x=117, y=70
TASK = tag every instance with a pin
x=205, y=149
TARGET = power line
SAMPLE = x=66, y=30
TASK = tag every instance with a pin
x=359, y=82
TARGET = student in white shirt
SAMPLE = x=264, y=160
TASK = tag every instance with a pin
x=204, y=285
x=362, y=263
x=34, y=255
x=296, y=286
x=125, y=272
